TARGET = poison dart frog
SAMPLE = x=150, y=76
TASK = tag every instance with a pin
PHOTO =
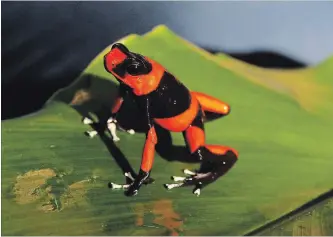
x=166, y=101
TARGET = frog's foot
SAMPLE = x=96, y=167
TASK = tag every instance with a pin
x=193, y=178
x=129, y=181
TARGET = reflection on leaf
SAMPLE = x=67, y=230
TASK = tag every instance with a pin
x=164, y=216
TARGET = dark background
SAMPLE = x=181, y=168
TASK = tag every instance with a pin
x=45, y=45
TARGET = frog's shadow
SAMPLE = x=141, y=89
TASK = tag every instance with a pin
x=92, y=96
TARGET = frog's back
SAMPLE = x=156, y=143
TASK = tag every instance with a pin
x=170, y=98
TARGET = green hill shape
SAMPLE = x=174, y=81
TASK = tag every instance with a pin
x=285, y=153
x=311, y=87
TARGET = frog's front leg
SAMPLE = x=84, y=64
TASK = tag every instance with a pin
x=118, y=126
x=148, y=153
x=146, y=162
x=112, y=126
x=112, y=123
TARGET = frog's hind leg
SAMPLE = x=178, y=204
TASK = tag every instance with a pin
x=215, y=160
x=213, y=108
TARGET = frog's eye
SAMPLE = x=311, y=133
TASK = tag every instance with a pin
x=138, y=66
x=134, y=69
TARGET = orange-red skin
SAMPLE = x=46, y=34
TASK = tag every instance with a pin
x=149, y=150
x=220, y=150
x=180, y=122
x=141, y=85
x=195, y=138
x=145, y=84
x=211, y=104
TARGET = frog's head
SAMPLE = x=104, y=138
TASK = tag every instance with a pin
x=120, y=62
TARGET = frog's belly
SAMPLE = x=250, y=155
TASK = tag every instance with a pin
x=181, y=121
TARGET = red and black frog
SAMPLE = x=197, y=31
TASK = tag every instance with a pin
x=165, y=101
